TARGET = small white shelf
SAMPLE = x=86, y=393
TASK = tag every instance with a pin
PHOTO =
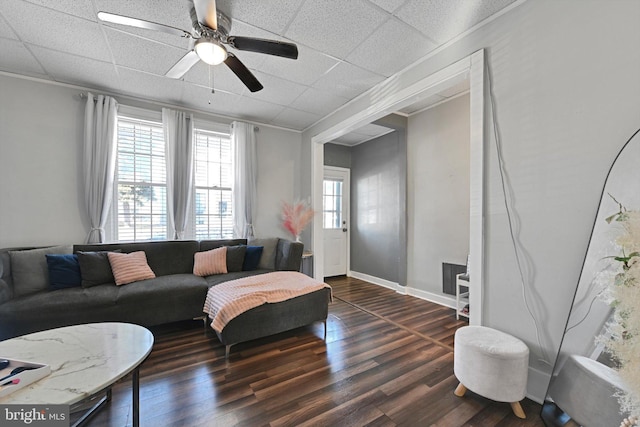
x=462, y=296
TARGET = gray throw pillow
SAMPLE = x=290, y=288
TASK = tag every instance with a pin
x=29, y=269
x=95, y=268
x=268, y=259
x=235, y=258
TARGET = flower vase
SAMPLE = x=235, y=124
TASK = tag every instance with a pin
x=298, y=238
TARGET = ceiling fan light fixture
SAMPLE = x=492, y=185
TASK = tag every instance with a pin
x=210, y=51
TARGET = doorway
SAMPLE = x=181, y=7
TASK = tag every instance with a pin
x=471, y=67
x=335, y=220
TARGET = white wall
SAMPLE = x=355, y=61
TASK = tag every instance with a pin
x=438, y=192
x=41, y=126
x=278, y=178
x=40, y=148
x=565, y=77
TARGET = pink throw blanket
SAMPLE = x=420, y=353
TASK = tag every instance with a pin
x=230, y=299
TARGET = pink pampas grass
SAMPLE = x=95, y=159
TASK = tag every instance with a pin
x=296, y=216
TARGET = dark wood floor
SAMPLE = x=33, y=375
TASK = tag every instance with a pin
x=387, y=361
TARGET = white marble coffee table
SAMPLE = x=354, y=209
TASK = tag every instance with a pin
x=85, y=360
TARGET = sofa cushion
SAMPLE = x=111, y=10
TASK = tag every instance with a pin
x=163, y=289
x=64, y=271
x=128, y=268
x=210, y=262
x=164, y=258
x=95, y=268
x=252, y=258
x=206, y=245
x=268, y=258
x=235, y=257
x=29, y=269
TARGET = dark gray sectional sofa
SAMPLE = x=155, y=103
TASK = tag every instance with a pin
x=175, y=294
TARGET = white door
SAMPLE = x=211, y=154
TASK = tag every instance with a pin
x=335, y=220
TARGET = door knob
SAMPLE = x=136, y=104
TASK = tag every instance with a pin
x=344, y=230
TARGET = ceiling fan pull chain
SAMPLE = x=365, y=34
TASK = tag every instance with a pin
x=211, y=82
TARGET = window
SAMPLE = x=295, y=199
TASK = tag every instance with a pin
x=213, y=179
x=332, y=204
x=141, y=181
x=140, y=200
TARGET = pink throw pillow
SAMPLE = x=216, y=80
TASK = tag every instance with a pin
x=210, y=262
x=130, y=267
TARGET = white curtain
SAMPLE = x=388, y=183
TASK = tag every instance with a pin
x=100, y=122
x=243, y=139
x=178, y=134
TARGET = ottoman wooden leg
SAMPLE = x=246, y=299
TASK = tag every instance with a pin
x=460, y=390
x=517, y=410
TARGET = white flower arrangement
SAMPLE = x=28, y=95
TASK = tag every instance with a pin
x=623, y=292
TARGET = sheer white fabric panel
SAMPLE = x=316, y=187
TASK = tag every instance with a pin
x=243, y=140
x=100, y=123
x=178, y=134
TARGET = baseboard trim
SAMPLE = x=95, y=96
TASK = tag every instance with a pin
x=431, y=297
x=375, y=280
x=537, y=384
x=406, y=290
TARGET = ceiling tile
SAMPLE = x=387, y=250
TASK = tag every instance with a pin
x=55, y=30
x=347, y=80
x=373, y=130
x=222, y=77
x=295, y=119
x=352, y=138
x=441, y=20
x=16, y=58
x=309, y=67
x=276, y=90
x=67, y=68
x=322, y=25
x=172, y=13
x=249, y=108
x=6, y=31
x=142, y=54
x=271, y=15
x=79, y=8
x=388, y=5
x=318, y=102
x=395, y=44
x=149, y=86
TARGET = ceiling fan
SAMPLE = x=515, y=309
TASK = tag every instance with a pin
x=210, y=34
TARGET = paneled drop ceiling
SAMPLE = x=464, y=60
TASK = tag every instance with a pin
x=345, y=48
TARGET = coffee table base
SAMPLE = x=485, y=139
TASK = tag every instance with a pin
x=93, y=410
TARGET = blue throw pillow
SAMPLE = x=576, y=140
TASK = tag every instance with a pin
x=252, y=258
x=64, y=271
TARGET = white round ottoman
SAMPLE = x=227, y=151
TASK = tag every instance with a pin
x=492, y=364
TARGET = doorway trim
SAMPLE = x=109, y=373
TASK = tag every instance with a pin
x=471, y=67
x=347, y=214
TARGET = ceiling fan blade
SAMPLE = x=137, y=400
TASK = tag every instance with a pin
x=141, y=23
x=243, y=73
x=183, y=65
x=270, y=47
x=207, y=13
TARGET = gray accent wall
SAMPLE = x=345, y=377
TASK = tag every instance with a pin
x=376, y=175
x=337, y=155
